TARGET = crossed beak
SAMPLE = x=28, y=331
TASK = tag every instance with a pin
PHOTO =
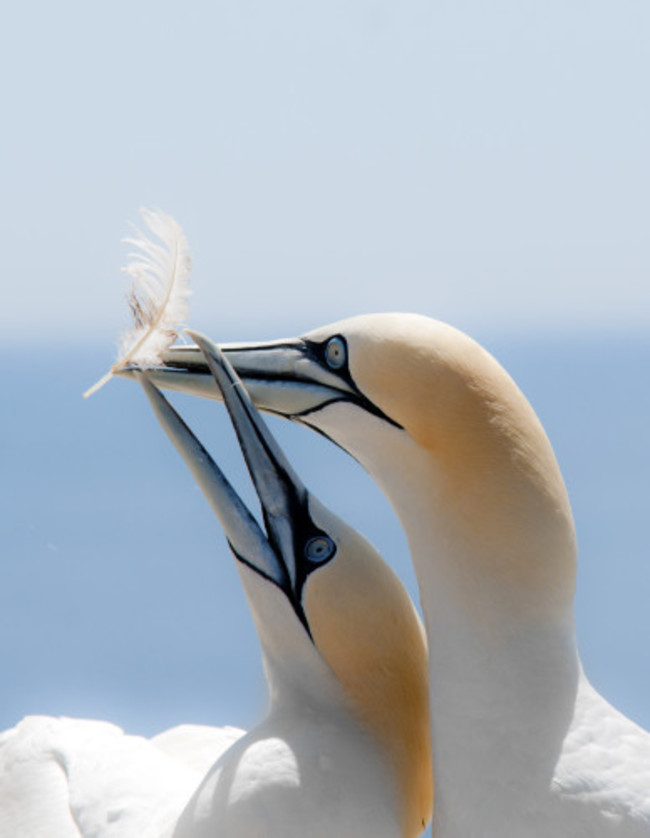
x=277, y=552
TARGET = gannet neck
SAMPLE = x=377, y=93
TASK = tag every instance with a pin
x=365, y=626
x=497, y=657
x=364, y=667
x=296, y=674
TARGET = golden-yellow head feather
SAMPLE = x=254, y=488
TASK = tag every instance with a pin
x=494, y=481
x=366, y=628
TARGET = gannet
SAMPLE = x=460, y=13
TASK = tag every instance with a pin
x=84, y=778
x=345, y=748
x=522, y=743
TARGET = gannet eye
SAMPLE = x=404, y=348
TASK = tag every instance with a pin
x=319, y=549
x=335, y=353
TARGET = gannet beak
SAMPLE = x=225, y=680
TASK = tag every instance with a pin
x=291, y=378
x=277, y=554
x=245, y=537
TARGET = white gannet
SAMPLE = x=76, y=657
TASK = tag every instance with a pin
x=82, y=778
x=522, y=743
x=345, y=748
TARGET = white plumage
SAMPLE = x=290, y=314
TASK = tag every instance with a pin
x=78, y=778
x=523, y=746
x=344, y=749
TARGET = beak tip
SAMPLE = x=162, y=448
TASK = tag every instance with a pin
x=198, y=337
x=212, y=354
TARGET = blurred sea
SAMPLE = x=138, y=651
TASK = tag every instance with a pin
x=119, y=599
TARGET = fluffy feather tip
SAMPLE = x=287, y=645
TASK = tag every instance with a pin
x=159, y=294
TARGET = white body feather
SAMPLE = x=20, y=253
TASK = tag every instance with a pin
x=77, y=778
x=159, y=293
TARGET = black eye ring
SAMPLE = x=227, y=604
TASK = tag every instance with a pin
x=319, y=549
x=336, y=354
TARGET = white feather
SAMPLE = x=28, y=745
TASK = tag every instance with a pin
x=158, y=297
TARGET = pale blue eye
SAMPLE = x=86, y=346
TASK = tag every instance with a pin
x=319, y=549
x=335, y=353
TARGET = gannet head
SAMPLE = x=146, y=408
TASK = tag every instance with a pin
x=442, y=428
x=336, y=626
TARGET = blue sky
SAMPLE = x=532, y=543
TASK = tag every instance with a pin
x=483, y=163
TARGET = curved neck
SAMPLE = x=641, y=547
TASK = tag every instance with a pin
x=390, y=755
x=495, y=562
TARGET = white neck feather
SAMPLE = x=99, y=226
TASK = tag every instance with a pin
x=310, y=768
x=504, y=670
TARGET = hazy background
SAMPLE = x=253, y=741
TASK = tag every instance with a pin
x=484, y=163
